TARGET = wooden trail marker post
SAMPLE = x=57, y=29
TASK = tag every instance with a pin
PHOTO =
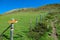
x=12, y=27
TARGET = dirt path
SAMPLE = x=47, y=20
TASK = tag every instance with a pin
x=54, y=31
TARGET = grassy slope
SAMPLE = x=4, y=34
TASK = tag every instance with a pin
x=22, y=25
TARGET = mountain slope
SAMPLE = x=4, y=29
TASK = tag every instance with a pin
x=24, y=17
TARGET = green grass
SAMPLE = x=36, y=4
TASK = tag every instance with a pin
x=23, y=25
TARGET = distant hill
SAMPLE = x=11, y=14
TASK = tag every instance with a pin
x=50, y=7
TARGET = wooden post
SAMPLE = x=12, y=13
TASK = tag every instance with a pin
x=12, y=27
x=36, y=21
x=41, y=18
x=11, y=31
x=30, y=25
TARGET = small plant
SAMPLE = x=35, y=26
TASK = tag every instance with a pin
x=38, y=31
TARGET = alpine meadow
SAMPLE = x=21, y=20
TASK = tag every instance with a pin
x=42, y=23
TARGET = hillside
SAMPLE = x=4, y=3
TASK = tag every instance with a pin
x=28, y=17
x=50, y=7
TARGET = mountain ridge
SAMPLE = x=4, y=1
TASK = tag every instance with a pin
x=48, y=7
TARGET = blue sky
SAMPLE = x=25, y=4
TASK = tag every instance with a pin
x=7, y=5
